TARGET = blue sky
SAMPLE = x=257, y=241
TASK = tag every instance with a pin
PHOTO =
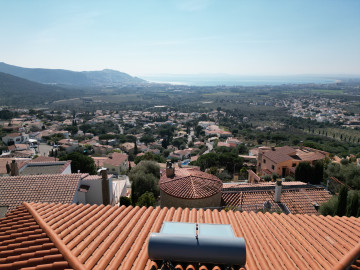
x=184, y=37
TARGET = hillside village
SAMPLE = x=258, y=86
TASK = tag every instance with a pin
x=118, y=140
x=164, y=159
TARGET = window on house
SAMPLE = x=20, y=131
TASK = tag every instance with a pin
x=113, y=169
x=273, y=167
x=264, y=161
x=294, y=164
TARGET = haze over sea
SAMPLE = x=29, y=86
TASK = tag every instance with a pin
x=234, y=80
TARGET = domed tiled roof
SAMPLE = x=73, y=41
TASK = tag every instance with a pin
x=190, y=184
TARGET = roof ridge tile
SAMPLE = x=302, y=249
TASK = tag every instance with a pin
x=72, y=260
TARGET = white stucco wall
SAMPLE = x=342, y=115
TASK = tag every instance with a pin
x=67, y=170
x=94, y=194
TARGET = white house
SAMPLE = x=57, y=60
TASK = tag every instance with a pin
x=16, y=138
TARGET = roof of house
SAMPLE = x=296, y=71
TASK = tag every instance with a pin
x=285, y=153
x=99, y=161
x=45, y=167
x=13, y=135
x=43, y=159
x=280, y=154
x=297, y=201
x=50, y=236
x=3, y=162
x=117, y=159
x=53, y=188
x=17, y=147
x=261, y=185
x=189, y=183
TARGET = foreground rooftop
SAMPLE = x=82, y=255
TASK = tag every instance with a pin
x=62, y=236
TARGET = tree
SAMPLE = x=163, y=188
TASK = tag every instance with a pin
x=144, y=177
x=147, y=199
x=80, y=162
x=318, y=173
x=353, y=206
x=198, y=130
x=178, y=142
x=147, y=139
x=207, y=161
x=304, y=172
x=342, y=202
x=329, y=207
x=150, y=156
x=165, y=143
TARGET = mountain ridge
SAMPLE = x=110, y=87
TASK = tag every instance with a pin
x=22, y=92
x=105, y=77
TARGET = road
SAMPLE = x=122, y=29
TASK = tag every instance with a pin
x=44, y=149
x=210, y=148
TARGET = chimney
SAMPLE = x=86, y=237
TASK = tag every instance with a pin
x=170, y=171
x=105, y=187
x=273, y=148
x=301, y=145
x=236, y=177
x=278, y=187
x=179, y=164
x=14, y=170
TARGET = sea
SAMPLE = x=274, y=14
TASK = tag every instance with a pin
x=233, y=80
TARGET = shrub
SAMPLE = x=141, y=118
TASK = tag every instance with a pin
x=125, y=201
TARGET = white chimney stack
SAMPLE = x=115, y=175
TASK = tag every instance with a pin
x=278, y=187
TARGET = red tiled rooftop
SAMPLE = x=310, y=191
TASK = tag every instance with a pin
x=298, y=201
x=105, y=237
x=117, y=159
x=190, y=183
x=56, y=188
x=280, y=154
x=262, y=184
x=35, y=167
x=44, y=159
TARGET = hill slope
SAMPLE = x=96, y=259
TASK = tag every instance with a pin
x=21, y=92
x=106, y=77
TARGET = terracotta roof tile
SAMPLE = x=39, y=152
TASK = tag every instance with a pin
x=298, y=201
x=24, y=244
x=45, y=167
x=59, y=188
x=117, y=159
x=190, y=183
x=44, y=159
x=105, y=237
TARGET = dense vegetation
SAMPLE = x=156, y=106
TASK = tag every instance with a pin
x=144, y=179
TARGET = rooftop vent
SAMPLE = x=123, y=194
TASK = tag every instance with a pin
x=182, y=243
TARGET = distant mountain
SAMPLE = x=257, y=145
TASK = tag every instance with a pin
x=21, y=92
x=106, y=77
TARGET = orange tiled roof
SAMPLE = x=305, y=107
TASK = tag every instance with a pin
x=23, y=243
x=298, y=201
x=34, y=167
x=190, y=184
x=117, y=159
x=52, y=188
x=280, y=154
x=105, y=237
x=44, y=159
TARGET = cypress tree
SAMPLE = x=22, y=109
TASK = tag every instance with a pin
x=342, y=202
x=353, y=206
